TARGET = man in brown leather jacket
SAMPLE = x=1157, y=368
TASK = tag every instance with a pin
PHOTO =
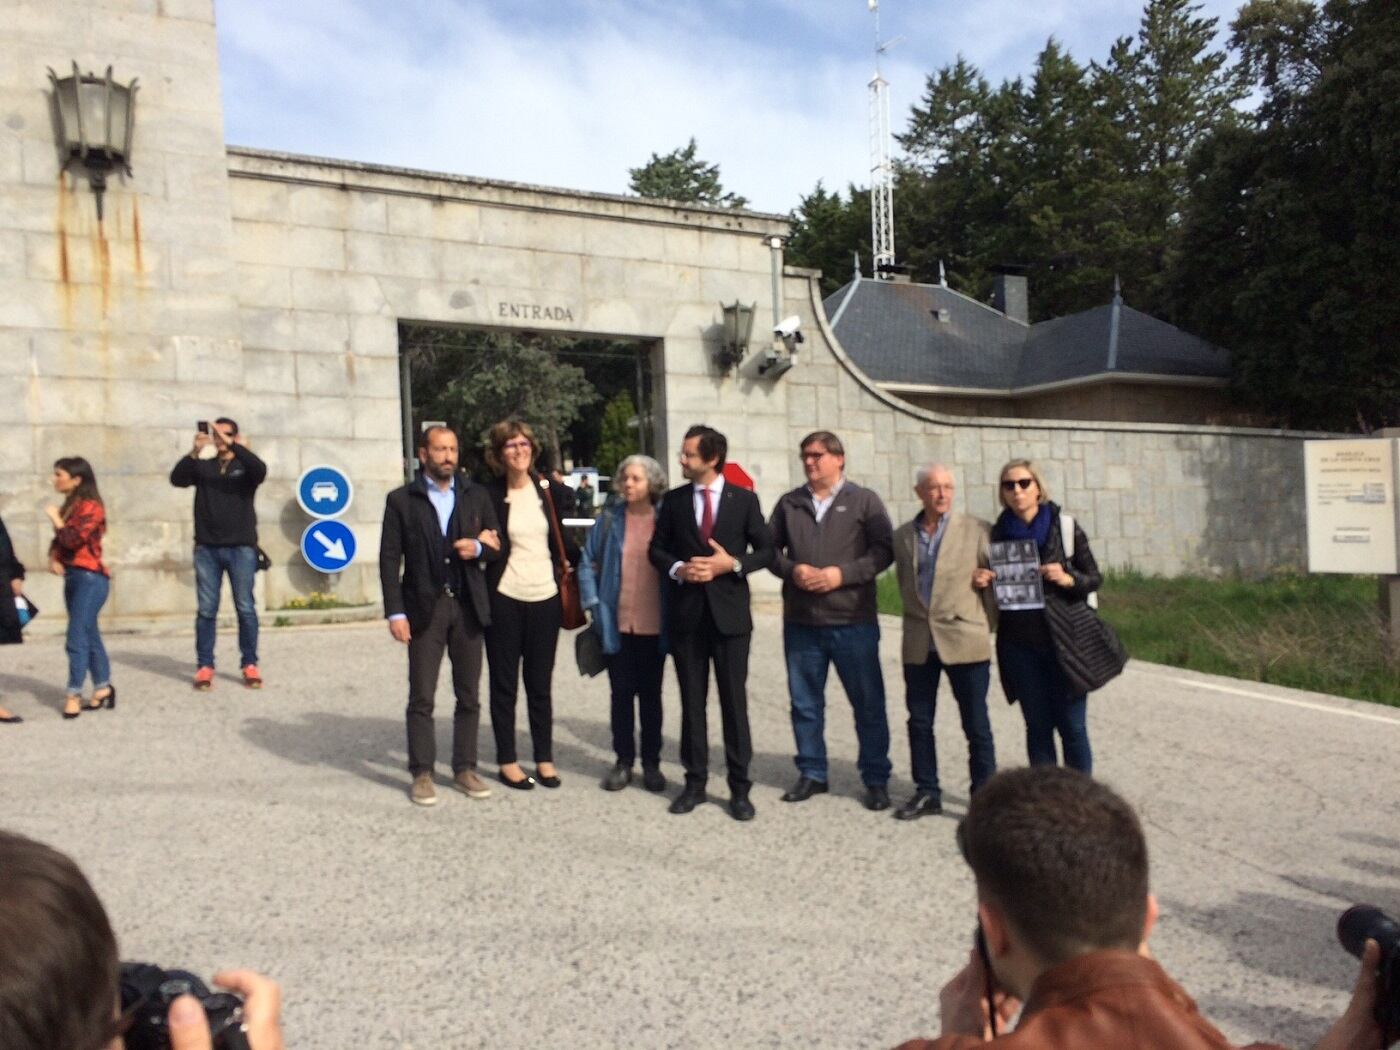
x=1064, y=911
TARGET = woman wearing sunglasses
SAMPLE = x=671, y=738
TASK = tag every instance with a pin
x=1051, y=658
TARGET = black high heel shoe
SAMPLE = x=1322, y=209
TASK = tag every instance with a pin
x=74, y=714
x=110, y=700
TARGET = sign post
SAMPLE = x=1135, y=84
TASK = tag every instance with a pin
x=1354, y=515
x=325, y=493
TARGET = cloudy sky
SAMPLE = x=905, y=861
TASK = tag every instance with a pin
x=574, y=92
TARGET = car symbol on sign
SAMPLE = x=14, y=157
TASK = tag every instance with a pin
x=324, y=490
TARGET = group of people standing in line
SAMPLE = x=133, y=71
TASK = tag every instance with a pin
x=467, y=568
x=225, y=475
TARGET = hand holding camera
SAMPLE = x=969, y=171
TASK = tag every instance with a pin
x=174, y=1009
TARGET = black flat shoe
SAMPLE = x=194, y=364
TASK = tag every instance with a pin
x=805, y=788
x=520, y=785
x=740, y=808
x=547, y=782
x=922, y=804
x=653, y=779
x=877, y=797
x=688, y=799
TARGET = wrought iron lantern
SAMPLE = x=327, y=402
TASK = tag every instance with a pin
x=738, y=326
x=95, y=118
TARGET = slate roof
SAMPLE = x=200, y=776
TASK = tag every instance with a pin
x=891, y=331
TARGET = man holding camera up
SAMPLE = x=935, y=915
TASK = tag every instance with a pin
x=1064, y=913
x=225, y=475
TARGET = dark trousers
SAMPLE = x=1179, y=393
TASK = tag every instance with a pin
x=1049, y=705
x=969, y=682
x=635, y=671
x=454, y=631
x=522, y=633
x=692, y=651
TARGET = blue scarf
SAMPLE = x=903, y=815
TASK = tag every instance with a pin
x=1010, y=527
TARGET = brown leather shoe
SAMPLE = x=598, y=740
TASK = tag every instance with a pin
x=423, y=793
x=471, y=785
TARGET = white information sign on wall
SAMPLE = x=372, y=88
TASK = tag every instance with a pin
x=1353, y=516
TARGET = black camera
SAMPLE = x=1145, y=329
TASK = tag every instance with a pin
x=147, y=992
x=1361, y=923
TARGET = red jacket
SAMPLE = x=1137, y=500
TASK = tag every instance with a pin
x=78, y=544
x=1100, y=1000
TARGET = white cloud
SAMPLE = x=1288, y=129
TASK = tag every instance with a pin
x=575, y=94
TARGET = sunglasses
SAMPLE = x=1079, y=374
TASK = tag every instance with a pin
x=1011, y=484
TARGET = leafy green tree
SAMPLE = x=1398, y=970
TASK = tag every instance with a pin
x=619, y=431
x=682, y=176
x=1291, y=243
x=473, y=378
x=828, y=232
x=1165, y=91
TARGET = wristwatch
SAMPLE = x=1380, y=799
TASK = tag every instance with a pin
x=738, y=565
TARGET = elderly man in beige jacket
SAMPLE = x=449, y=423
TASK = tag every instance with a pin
x=947, y=625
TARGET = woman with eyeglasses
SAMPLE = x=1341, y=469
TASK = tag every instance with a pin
x=1051, y=658
x=525, y=609
x=76, y=555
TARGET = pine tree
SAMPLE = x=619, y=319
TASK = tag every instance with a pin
x=681, y=176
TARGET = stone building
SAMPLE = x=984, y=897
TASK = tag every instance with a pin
x=271, y=288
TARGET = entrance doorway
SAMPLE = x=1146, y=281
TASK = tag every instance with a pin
x=590, y=401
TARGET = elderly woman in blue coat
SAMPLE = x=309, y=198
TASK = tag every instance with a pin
x=623, y=594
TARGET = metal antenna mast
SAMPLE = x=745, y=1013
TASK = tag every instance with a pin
x=881, y=168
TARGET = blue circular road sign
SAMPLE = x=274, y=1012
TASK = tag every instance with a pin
x=328, y=546
x=324, y=492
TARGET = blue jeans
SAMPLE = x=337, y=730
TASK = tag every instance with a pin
x=969, y=682
x=210, y=564
x=855, y=650
x=84, y=594
x=1049, y=705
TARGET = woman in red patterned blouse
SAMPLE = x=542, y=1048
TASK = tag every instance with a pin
x=76, y=555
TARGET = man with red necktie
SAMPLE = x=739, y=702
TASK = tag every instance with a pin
x=709, y=536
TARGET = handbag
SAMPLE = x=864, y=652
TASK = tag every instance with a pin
x=588, y=652
x=264, y=562
x=25, y=610
x=570, y=606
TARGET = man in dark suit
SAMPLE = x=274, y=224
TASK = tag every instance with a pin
x=441, y=528
x=703, y=531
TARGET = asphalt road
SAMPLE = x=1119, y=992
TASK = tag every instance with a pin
x=272, y=830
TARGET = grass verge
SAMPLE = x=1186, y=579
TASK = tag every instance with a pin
x=1321, y=633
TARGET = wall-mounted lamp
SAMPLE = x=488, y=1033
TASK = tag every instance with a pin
x=738, y=326
x=95, y=120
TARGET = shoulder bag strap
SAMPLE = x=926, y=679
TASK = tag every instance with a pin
x=564, y=567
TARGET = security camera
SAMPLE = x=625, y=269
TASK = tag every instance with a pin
x=789, y=328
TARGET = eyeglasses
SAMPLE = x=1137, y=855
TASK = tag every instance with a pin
x=510, y=446
x=1011, y=484
x=813, y=456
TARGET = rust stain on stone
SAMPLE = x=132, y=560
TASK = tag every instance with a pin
x=102, y=252
x=65, y=271
x=136, y=238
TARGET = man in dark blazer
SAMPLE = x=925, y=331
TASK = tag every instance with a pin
x=441, y=529
x=709, y=536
